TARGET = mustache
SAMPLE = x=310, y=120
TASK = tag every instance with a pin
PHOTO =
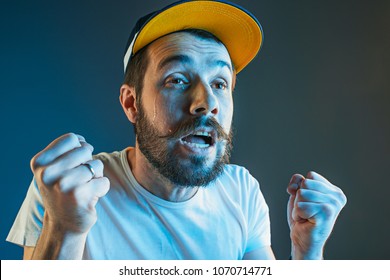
x=187, y=126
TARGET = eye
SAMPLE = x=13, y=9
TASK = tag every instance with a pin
x=176, y=81
x=220, y=85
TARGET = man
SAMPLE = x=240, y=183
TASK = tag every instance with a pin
x=174, y=195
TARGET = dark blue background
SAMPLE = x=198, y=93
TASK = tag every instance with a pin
x=316, y=98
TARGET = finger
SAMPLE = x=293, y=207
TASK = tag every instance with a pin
x=84, y=143
x=294, y=183
x=80, y=137
x=307, y=211
x=65, y=162
x=89, y=193
x=333, y=201
x=55, y=149
x=315, y=176
x=305, y=195
x=80, y=175
x=87, y=145
x=333, y=191
x=97, y=168
x=101, y=186
x=315, y=185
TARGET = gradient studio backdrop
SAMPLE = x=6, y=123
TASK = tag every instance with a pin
x=316, y=98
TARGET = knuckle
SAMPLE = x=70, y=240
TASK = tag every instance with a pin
x=340, y=197
x=102, y=185
x=310, y=174
x=345, y=200
x=102, y=181
x=72, y=139
x=89, y=146
x=85, y=151
x=45, y=175
x=328, y=210
x=99, y=164
x=71, y=136
x=106, y=182
x=62, y=184
x=36, y=161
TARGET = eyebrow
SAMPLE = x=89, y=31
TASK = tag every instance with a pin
x=185, y=59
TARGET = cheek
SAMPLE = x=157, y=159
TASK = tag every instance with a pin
x=165, y=113
x=226, y=113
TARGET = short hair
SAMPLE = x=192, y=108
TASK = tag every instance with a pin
x=136, y=68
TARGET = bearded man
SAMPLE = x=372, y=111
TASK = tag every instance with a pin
x=174, y=195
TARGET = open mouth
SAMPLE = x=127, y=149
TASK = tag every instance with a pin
x=199, y=139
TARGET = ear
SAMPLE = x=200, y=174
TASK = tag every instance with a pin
x=128, y=101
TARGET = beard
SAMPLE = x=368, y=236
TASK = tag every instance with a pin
x=193, y=170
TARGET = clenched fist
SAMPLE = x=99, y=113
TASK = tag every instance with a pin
x=69, y=187
x=312, y=210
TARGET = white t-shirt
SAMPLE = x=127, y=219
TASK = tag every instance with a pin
x=224, y=220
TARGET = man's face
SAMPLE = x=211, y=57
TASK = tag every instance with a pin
x=186, y=110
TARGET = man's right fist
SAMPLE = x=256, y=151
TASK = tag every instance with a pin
x=68, y=188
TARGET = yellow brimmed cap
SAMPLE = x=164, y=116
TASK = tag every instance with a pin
x=235, y=27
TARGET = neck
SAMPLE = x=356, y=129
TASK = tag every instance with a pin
x=151, y=180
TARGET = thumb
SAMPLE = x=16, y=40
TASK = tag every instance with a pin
x=292, y=189
x=295, y=183
x=290, y=208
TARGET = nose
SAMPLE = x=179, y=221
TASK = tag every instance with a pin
x=203, y=101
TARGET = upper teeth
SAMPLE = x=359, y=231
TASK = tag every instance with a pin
x=202, y=133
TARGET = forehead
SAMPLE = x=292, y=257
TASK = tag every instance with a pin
x=189, y=48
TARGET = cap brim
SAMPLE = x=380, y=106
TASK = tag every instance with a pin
x=240, y=32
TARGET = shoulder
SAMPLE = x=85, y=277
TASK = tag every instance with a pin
x=111, y=160
x=238, y=186
x=235, y=169
x=239, y=174
x=108, y=157
x=238, y=182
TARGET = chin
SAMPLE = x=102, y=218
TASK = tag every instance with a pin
x=196, y=171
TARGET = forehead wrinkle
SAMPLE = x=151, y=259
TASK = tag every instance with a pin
x=173, y=49
x=175, y=58
x=185, y=59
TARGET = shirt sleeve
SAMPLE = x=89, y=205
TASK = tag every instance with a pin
x=259, y=227
x=27, y=226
